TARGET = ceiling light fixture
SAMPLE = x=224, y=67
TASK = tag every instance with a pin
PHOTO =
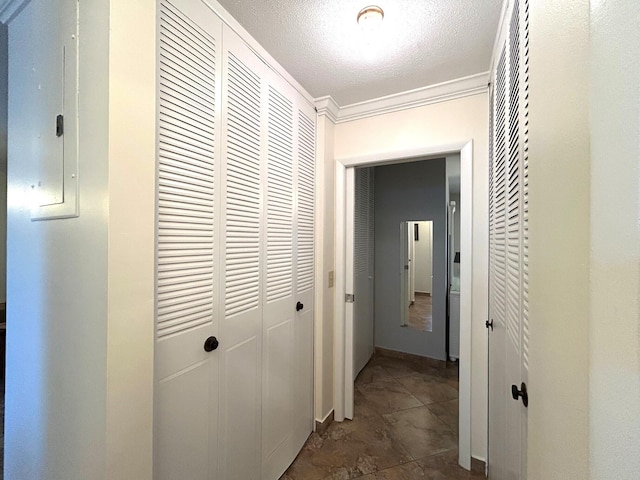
x=370, y=16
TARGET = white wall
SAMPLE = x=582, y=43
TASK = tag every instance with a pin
x=434, y=125
x=4, y=59
x=614, y=340
x=423, y=259
x=559, y=247
x=56, y=390
x=325, y=199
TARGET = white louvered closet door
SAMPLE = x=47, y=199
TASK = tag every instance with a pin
x=508, y=225
x=304, y=192
x=187, y=236
x=279, y=300
x=363, y=269
x=242, y=260
x=287, y=325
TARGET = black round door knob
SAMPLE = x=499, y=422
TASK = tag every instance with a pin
x=515, y=393
x=210, y=344
x=299, y=306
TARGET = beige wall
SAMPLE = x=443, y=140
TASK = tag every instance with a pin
x=558, y=440
x=80, y=348
x=131, y=239
x=4, y=63
x=439, y=124
x=325, y=199
x=614, y=343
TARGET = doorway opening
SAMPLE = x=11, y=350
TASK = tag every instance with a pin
x=344, y=318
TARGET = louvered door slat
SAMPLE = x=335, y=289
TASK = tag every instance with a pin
x=525, y=187
x=361, y=222
x=500, y=166
x=279, y=282
x=305, y=202
x=186, y=162
x=242, y=189
x=513, y=267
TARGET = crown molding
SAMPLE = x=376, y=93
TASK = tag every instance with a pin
x=440, y=92
x=327, y=106
x=9, y=8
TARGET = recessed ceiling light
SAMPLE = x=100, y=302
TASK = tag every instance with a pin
x=370, y=16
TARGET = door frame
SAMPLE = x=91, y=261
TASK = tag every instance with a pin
x=343, y=312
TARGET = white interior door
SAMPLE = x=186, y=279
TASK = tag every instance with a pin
x=412, y=264
x=404, y=273
x=242, y=255
x=279, y=306
x=187, y=273
x=508, y=225
x=497, y=286
x=305, y=275
x=363, y=269
x=287, y=392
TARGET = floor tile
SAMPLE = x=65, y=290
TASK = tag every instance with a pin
x=445, y=466
x=447, y=412
x=421, y=432
x=429, y=388
x=397, y=367
x=371, y=373
x=399, y=430
x=388, y=395
x=408, y=471
x=348, y=450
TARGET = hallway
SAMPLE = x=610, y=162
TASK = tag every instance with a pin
x=421, y=313
x=405, y=427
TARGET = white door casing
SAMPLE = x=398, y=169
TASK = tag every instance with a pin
x=343, y=312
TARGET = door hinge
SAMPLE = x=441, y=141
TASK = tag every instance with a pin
x=489, y=324
x=349, y=297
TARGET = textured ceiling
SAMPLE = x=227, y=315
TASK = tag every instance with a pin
x=419, y=43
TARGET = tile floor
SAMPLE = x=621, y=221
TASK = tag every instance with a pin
x=405, y=427
x=421, y=313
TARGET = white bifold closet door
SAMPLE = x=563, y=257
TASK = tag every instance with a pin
x=235, y=256
x=266, y=353
x=188, y=192
x=509, y=260
x=363, y=251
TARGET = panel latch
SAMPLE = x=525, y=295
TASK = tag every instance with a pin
x=59, y=125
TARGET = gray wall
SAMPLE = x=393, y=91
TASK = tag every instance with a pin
x=409, y=191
